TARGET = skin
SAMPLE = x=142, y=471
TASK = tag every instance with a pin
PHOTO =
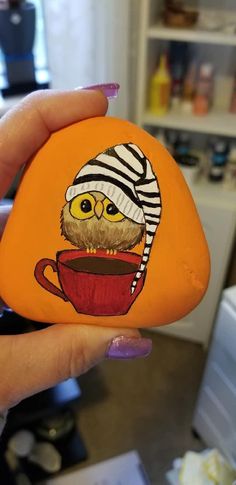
x=59, y=352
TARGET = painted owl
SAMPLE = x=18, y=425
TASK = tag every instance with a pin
x=91, y=221
x=113, y=201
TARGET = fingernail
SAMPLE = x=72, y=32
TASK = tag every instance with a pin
x=109, y=89
x=129, y=348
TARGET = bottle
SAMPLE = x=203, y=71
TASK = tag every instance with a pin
x=182, y=146
x=161, y=137
x=177, y=81
x=222, y=94
x=178, y=52
x=219, y=159
x=160, y=88
x=172, y=138
x=233, y=100
x=202, y=100
x=230, y=172
x=189, y=88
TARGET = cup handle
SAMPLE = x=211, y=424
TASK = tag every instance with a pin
x=43, y=281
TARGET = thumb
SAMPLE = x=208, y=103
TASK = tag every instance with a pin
x=38, y=360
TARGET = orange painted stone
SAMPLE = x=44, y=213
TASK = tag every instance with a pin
x=103, y=231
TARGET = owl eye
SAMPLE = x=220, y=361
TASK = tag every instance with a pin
x=111, y=213
x=86, y=206
x=82, y=206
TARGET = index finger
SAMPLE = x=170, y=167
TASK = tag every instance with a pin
x=27, y=126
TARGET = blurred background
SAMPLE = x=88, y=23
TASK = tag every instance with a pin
x=176, y=63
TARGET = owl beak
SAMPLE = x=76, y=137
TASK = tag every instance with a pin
x=98, y=209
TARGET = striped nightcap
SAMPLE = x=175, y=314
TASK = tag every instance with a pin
x=124, y=175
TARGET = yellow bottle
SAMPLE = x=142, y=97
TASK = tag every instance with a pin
x=160, y=88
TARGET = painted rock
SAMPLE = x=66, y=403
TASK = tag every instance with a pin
x=103, y=231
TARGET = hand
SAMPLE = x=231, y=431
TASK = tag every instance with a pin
x=35, y=361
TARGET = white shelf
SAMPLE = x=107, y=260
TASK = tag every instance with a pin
x=216, y=204
x=214, y=123
x=159, y=31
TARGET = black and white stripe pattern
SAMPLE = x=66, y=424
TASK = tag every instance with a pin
x=124, y=175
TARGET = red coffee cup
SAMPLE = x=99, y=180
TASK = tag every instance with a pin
x=89, y=292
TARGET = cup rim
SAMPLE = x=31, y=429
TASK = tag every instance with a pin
x=127, y=256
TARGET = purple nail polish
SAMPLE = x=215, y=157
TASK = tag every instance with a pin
x=109, y=89
x=129, y=348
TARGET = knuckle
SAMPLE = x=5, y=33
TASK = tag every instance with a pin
x=77, y=358
x=34, y=97
x=72, y=357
